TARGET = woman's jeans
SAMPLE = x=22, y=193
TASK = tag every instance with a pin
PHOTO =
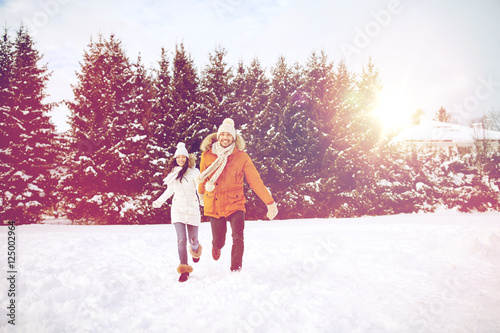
x=192, y=231
x=219, y=230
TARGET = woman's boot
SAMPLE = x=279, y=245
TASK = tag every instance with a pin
x=184, y=271
x=196, y=254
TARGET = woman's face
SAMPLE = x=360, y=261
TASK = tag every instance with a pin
x=225, y=139
x=181, y=160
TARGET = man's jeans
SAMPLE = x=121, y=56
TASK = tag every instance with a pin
x=219, y=230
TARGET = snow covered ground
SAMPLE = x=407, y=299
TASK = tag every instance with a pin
x=405, y=273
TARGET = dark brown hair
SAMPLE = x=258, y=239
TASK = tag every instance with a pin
x=172, y=163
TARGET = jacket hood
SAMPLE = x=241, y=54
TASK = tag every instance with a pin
x=192, y=160
x=207, y=143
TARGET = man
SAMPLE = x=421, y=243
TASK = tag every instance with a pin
x=223, y=167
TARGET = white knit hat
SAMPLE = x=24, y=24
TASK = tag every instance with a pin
x=227, y=126
x=181, y=150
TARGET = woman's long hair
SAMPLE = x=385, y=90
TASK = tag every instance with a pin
x=172, y=163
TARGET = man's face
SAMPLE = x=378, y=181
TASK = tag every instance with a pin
x=225, y=139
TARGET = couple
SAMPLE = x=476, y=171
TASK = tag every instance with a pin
x=223, y=166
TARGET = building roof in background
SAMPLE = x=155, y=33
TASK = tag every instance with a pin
x=435, y=131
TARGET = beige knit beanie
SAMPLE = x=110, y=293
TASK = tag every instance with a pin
x=227, y=126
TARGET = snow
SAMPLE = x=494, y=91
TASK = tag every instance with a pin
x=97, y=198
x=32, y=203
x=33, y=187
x=457, y=179
x=120, y=154
x=138, y=138
x=21, y=175
x=308, y=199
x=439, y=131
x=403, y=273
x=90, y=170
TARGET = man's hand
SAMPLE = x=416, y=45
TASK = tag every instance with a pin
x=272, y=210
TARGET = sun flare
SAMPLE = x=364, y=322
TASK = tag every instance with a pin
x=393, y=110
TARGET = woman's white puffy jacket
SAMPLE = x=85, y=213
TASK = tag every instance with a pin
x=185, y=204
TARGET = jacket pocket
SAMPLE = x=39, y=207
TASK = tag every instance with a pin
x=209, y=202
x=235, y=198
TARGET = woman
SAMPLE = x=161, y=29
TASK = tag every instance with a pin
x=185, y=212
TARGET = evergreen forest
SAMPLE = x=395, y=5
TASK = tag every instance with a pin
x=309, y=129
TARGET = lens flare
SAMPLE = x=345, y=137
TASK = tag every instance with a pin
x=393, y=110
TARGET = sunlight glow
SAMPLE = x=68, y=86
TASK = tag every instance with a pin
x=394, y=110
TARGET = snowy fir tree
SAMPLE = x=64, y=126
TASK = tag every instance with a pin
x=163, y=104
x=442, y=115
x=185, y=112
x=309, y=130
x=137, y=166
x=393, y=184
x=215, y=96
x=252, y=96
x=161, y=126
x=346, y=134
x=109, y=166
x=288, y=142
x=7, y=120
x=238, y=100
x=28, y=150
x=249, y=99
x=368, y=89
x=372, y=139
x=319, y=87
x=336, y=116
x=216, y=89
x=6, y=95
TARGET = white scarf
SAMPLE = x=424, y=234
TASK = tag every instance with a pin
x=218, y=165
x=172, y=175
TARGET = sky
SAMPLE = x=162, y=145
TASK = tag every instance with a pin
x=429, y=53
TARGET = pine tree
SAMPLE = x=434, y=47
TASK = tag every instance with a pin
x=319, y=89
x=368, y=88
x=163, y=107
x=350, y=135
x=442, y=115
x=250, y=93
x=186, y=111
x=8, y=122
x=28, y=153
x=336, y=117
x=109, y=166
x=394, y=181
x=6, y=95
x=417, y=116
x=374, y=148
x=162, y=125
x=319, y=85
x=216, y=88
x=289, y=142
x=238, y=98
x=344, y=131
x=216, y=97
x=253, y=96
x=175, y=118
x=136, y=166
